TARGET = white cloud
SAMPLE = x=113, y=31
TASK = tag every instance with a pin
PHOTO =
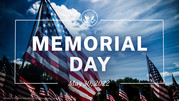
x=93, y=1
x=176, y=64
x=70, y=17
x=165, y=74
x=34, y=8
x=170, y=67
x=135, y=10
x=122, y=10
x=19, y=62
x=96, y=1
x=176, y=73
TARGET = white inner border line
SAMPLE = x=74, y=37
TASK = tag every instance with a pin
x=20, y=20
x=145, y=20
x=108, y=20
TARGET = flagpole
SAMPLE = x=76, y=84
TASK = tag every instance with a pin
x=52, y=8
x=21, y=69
x=57, y=16
x=56, y=13
x=149, y=77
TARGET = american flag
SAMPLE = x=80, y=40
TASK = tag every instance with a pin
x=26, y=91
x=122, y=93
x=61, y=95
x=52, y=95
x=142, y=97
x=157, y=85
x=35, y=96
x=2, y=94
x=7, y=83
x=23, y=91
x=52, y=62
x=175, y=90
x=57, y=63
x=47, y=93
x=109, y=96
x=66, y=96
x=73, y=98
x=6, y=76
x=42, y=92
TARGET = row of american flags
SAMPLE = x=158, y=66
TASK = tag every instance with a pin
x=57, y=63
x=123, y=95
x=156, y=84
x=25, y=91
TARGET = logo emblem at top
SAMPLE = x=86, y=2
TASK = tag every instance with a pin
x=89, y=17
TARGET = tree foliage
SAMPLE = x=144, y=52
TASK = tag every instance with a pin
x=34, y=74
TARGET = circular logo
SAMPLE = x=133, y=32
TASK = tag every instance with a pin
x=89, y=17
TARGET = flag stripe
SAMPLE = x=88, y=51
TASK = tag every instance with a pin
x=159, y=89
x=76, y=77
x=83, y=96
x=142, y=97
x=123, y=95
x=92, y=74
x=79, y=77
x=74, y=53
x=83, y=86
x=50, y=71
x=160, y=97
x=155, y=78
x=57, y=63
x=50, y=59
x=42, y=92
x=52, y=95
x=159, y=86
x=161, y=94
x=45, y=63
x=30, y=87
x=6, y=82
x=61, y=57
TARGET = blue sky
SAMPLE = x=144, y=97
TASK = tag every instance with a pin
x=121, y=64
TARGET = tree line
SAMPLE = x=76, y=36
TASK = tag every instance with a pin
x=34, y=74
